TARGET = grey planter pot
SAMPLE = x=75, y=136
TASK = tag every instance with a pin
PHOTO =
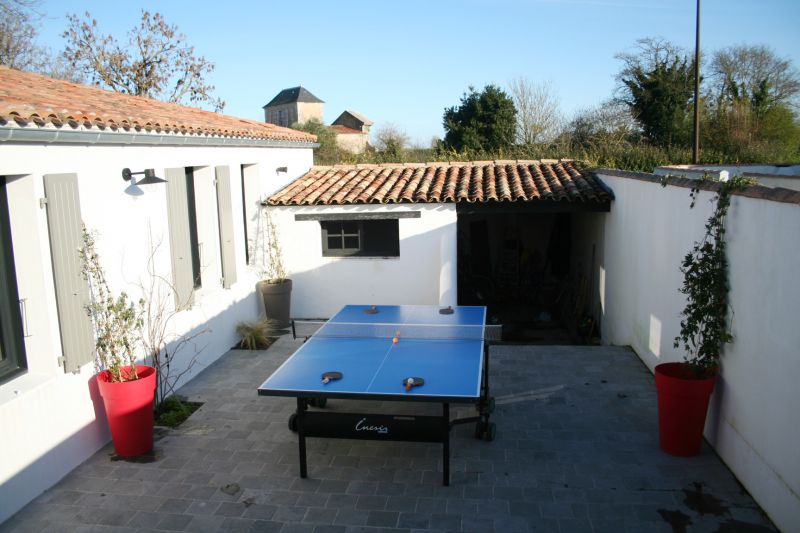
x=277, y=298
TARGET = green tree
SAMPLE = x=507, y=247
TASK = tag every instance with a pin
x=328, y=152
x=156, y=62
x=485, y=121
x=657, y=84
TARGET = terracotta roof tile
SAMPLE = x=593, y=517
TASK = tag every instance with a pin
x=477, y=181
x=344, y=130
x=30, y=99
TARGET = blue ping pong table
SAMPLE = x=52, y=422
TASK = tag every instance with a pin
x=389, y=353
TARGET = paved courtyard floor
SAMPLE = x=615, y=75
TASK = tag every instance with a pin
x=576, y=450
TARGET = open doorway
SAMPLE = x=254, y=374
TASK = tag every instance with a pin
x=518, y=265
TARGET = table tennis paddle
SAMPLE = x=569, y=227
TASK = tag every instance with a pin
x=408, y=383
x=327, y=377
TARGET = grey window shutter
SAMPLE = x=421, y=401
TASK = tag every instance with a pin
x=72, y=290
x=225, y=212
x=179, y=237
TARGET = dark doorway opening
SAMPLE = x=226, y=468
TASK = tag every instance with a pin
x=518, y=265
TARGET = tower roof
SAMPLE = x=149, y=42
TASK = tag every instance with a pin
x=294, y=94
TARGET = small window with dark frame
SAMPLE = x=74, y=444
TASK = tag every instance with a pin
x=360, y=238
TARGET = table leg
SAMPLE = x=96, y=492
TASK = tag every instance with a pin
x=301, y=435
x=446, y=444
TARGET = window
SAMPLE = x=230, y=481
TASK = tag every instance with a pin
x=251, y=210
x=184, y=239
x=193, y=238
x=12, y=348
x=360, y=238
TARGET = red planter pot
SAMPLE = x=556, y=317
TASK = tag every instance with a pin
x=129, y=409
x=682, y=407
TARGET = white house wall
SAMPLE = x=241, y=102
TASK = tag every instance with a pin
x=753, y=422
x=424, y=273
x=56, y=419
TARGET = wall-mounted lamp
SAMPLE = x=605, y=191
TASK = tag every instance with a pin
x=282, y=169
x=149, y=178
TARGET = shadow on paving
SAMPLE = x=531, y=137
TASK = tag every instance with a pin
x=576, y=450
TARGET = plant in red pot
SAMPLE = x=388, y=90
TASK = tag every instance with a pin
x=684, y=388
x=126, y=387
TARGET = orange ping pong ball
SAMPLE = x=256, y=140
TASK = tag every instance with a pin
x=394, y=340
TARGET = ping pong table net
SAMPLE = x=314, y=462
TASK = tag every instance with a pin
x=317, y=328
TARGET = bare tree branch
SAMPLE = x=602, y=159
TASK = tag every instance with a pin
x=155, y=62
x=539, y=116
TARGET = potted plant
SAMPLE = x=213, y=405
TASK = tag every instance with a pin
x=126, y=387
x=275, y=289
x=684, y=388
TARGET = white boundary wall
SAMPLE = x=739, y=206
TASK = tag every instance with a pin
x=49, y=421
x=424, y=273
x=754, y=420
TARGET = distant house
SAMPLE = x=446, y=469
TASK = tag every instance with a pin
x=352, y=131
x=298, y=105
x=63, y=148
x=293, y=105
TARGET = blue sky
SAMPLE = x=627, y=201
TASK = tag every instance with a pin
x=405, y=62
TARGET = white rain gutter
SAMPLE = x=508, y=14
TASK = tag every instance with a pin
x=60, y=136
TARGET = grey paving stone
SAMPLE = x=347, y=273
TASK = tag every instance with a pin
x=265, y=526
x=173, y=522
x=204, y=523
x=341, y=500
x=320, y=515
x=232, y=509
x=145, y=519
x=203, y=508
x=431, y=505
x=369, y=502
x=330, y=529
x=236, y=525
x=289, y=514
x=382, y=518
x=445, y=521
x=349, y=516
x=401, y=503
x=414, y=520
x=582, y=457
x=174, y=505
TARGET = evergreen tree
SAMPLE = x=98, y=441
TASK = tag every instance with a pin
x=661, y=100
x=485, y=121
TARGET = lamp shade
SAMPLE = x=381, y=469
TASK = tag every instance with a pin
x=150, y=178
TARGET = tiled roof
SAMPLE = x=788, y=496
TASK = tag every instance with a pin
x=477, y=181
x=339, y=129
x=32, y=100
x=358, y=116
x=294, y=94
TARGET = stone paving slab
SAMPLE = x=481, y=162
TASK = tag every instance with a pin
x=576, y=450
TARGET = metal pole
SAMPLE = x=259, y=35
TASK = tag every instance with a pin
x=696, y=146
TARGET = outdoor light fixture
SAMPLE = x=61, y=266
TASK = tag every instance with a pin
x=282, y=169
x=149, y=178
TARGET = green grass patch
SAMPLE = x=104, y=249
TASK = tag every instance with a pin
x=174, y=410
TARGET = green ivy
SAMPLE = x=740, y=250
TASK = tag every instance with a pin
x=704, y=320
